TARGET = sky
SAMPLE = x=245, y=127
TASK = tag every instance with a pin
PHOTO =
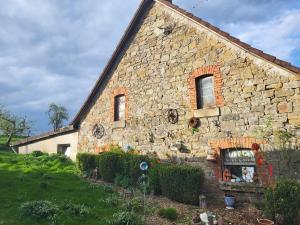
x=54, y=50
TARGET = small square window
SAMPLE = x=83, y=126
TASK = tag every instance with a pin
x=205, y=92
x=63, y=149
x=119, y=109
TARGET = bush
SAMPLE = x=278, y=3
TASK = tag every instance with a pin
x=122, y=181
x=284, y=199
x=87, y=162
x=134, y=205
x=112, y=164
x=37, y=153
x=76, y=209
x=131, y=166
x=112, y=201
x=41, y=209
x=181, y=183
x=125, y=218
x=168, y=213
x=177, y=182
x=154, y=179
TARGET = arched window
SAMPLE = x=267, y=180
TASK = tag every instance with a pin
x=119, y=107
x=205, y=91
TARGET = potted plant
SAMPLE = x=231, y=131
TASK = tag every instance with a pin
x=229, y=201
x=265, y=222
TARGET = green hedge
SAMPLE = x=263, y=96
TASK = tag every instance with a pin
x=181, y=183
x=86, y=162
x=284, y=199
x=111, y=164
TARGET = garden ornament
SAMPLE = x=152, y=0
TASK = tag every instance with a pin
x=94, y=174
x=194, y=122
x=172, y=116
x=226, y=175
x=98, y=131
x=144, y=166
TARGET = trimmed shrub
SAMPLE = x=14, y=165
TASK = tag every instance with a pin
x=181, y=183
x=168, y=213
x=154, y=179
x=284, y=199
x=131, y=167
x=110, y=164
x=86, y=162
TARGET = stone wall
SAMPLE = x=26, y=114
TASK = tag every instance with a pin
x=156, y=71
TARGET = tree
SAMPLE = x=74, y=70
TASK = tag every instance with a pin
x=57, y=114
x=12, y=125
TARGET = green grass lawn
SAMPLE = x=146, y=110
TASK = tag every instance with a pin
x=26, y=178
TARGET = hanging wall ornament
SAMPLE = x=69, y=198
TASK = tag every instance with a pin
x=172, y=116
x=98, y=131
x=194, y=122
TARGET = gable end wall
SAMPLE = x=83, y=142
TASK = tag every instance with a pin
x=155, y=70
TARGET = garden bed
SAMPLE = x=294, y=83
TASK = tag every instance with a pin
x=244, y=214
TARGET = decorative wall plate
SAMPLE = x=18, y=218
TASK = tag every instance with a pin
x=98, y=131
x=172, y=116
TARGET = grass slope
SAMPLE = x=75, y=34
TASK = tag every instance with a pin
x=3, y=139
x=21, y=179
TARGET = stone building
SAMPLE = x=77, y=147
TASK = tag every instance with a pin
x=173, y=71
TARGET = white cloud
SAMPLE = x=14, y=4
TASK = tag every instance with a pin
x=53, y=50
x=279, y=36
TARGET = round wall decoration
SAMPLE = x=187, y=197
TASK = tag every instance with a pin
x=194, y=122
x=172, y=116
x=98, y=131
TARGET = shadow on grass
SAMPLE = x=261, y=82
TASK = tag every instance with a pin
x=25, y=179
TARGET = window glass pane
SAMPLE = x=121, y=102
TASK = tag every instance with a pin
x=119, y=107
x=241, y=163
x=205, y=92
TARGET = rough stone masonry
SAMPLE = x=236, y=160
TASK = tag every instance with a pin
x=156, y=73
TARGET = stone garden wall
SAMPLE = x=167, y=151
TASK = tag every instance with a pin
x=156, y=72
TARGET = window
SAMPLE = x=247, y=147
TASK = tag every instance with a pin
x=119, y=112
x=63, y=149
x=205, y=91
x=240, y=162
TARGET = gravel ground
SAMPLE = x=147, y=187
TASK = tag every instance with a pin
x=244, y=214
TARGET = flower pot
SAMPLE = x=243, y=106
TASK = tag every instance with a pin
x=229, y=201
x=265, y=222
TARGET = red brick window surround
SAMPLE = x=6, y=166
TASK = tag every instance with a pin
x=205, y=71
x=116, y=94
x=228, y=143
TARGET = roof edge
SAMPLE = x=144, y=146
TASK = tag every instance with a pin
x=110, y=63
x=256, y=52
x=270, y=58
x=44, y=136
